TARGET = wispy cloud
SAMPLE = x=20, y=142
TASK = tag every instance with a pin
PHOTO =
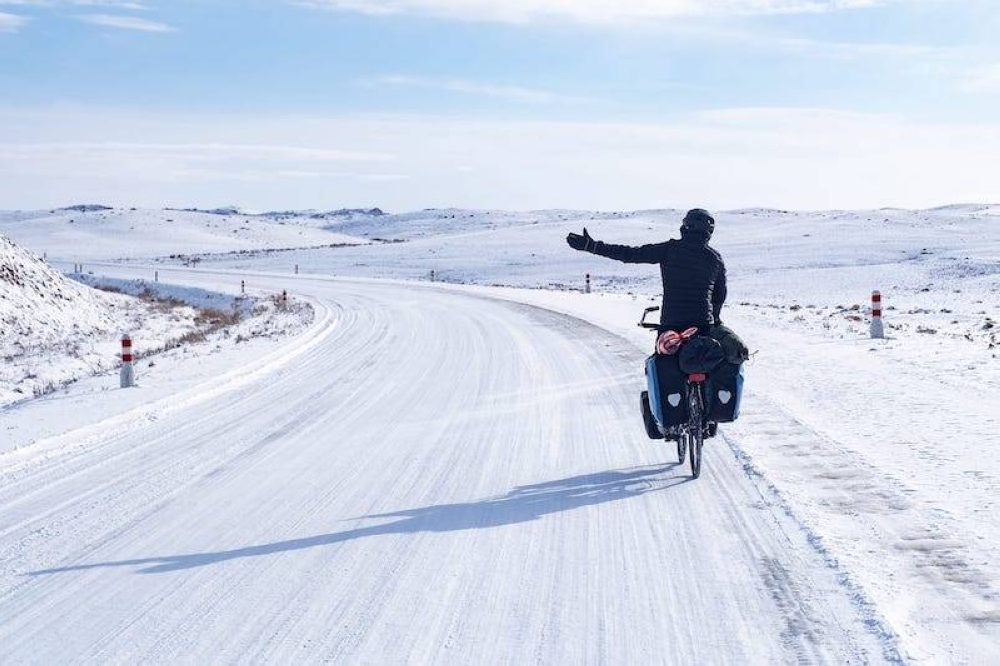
x=984, y=79
x=117, y=4
x=589, y=11
x=466, y=87
x=123, y=4
x=778, y=156
x=197, y=162
x=193, y=152
x=126, y=23
x=11, y=22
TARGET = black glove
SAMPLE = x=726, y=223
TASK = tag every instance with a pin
x=583, y=243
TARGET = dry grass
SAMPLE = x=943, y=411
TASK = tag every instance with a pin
x=215, y=318
x=163, y=302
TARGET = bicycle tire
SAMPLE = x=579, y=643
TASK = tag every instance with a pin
x=696, y=428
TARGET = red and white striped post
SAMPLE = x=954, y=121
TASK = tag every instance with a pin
x=586, y=289
x=128, y=369
x=878, y=331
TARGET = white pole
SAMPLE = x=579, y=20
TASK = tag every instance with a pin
x=128, y=370
x=587, y=289
x=877, y=330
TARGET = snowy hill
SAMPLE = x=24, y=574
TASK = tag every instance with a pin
x=39, y=306
x=93, y=232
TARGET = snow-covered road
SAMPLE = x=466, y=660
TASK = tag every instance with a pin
x=437, y=477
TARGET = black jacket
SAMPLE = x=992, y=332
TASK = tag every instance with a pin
x=694, y=278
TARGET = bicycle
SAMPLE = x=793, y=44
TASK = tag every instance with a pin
x=690, y=435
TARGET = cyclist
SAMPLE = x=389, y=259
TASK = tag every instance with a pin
x=694, y=276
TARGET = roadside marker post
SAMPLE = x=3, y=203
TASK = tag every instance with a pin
x=243, y=287
x=284, y=299
x=128, y=368
x=587, y=288
x=877, y=329
x=432, y=275
x=296, y=269
x=156, y=276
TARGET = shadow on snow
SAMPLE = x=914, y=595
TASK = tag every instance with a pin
x=523, y=504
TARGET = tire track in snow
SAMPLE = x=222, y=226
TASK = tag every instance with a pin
x=918, y=555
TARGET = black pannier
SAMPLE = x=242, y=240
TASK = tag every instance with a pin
x=723, y=392
x=666, y=390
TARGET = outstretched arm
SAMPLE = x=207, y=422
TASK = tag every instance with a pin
x=719, y=293
x=644, y=254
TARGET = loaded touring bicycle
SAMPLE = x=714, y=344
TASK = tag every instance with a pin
x=693, y=384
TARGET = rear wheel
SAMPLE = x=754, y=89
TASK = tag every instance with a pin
x=697, y=439
x=696, y=429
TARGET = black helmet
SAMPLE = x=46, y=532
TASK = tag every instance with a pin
x=699, y=221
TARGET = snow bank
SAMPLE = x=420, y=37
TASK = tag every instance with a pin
x=40, y=308
x=192, y=296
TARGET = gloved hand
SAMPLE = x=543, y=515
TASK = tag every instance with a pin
x=583, y=243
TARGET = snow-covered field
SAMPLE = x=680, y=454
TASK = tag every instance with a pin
x=457, y=472
x=86, y=232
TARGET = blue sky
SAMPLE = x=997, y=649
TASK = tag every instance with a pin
x=499, y=103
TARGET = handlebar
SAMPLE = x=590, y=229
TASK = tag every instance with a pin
x=646, y=312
